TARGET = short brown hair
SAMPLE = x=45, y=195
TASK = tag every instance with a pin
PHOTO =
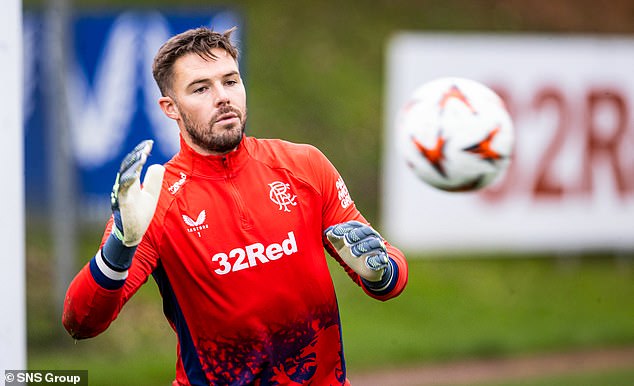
x=199, y=41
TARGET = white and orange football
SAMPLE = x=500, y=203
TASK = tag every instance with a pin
x=455, y=134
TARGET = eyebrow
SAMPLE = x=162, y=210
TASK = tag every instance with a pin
x=197, y=81
x=206, y=80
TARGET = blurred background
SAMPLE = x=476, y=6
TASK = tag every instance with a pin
x=319, y=72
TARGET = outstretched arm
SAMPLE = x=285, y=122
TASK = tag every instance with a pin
x=98, y=292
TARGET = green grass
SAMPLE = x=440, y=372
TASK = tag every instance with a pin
x=617, y=377
x=451, y=309
x=491, y=307
x=139, y=367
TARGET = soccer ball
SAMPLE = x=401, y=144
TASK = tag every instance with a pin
x=455, y=134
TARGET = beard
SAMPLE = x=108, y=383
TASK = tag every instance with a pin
x=215, y=137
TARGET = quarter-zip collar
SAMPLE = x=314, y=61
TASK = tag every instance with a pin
x=213, y=166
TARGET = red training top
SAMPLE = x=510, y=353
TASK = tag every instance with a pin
x=236, y=247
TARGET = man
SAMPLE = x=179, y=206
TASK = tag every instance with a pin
x=233, y=231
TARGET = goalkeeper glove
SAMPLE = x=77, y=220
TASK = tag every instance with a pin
x=132, y=206
x=362, y=249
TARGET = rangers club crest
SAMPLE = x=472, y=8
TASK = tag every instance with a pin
x=281, y=195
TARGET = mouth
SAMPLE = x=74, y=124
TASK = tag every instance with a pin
x=227, y=117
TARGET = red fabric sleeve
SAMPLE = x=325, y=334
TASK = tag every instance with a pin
x=89, y=308
x=338, y=207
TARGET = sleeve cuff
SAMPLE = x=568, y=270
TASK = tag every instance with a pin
x=105, y=276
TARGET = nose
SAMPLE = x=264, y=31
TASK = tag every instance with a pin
x=222, y=97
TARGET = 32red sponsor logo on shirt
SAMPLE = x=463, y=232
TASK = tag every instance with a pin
x=254, y=254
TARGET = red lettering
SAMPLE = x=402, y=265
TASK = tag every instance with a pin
x=545, y=184
x=599, y=136
x=603, y=143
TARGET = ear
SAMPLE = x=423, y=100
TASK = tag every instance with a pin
x=169, y=107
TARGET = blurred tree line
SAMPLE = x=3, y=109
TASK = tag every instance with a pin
x=315, y=69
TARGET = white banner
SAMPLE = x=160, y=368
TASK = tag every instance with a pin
x=570, y=185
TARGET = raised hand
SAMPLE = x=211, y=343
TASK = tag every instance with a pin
x=133, y=206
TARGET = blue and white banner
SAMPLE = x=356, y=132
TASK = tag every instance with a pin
x=111, y=94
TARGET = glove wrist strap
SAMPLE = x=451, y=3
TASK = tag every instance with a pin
x=115, y=254
x=387, y=282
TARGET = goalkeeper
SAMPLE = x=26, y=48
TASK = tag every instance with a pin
x=233, y=230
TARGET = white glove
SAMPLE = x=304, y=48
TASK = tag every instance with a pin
x=136, y=206
x=361, y=248
x=132, y=207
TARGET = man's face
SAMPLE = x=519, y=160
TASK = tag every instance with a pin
x=209, y=102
